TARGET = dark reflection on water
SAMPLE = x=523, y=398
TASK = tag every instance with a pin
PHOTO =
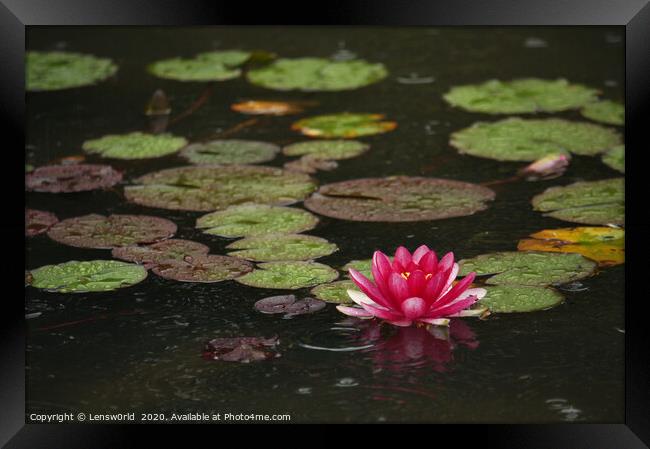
x=139, y=349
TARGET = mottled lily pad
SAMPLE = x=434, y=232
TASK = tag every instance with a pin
x=288, y=305
x=215, y=187
x=58, y=70
x=399, y=198
x=230, y=151
x=518, y=298
x=346, y=125
x=262, y=107
x=327, y=149
x=605, y=245
x=310, y=164
x=605, y=111
x=529, y=267
x=591, y=202
x=516, y=139
x=520, y=96
x=99, y=231
x=38, y=221
x=209, y=66
x=335, y=292
x=72, y=178
x=362, y=266
x=86, y=276
x=241, y=349
x=202, y=268
x=135, y=145
x=276, y=247
x=615, y=158
x=256, y=219
x=317, y=74
x=289, y=275
x=150, y=255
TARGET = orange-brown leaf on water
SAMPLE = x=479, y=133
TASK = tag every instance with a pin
x=263, y=107
x=605, y=245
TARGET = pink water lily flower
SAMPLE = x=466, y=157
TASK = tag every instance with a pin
x=413, y=288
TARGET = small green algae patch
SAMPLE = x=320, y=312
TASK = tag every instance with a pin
x=135, y=145
x=516, y=139
x=517, y=298
x=520, y=96
x=209, y=66
x=230, y=151
x=606, y=111
x=346, y=125
x=58, y=70
x=86, y=276
x=289, y=275
x=615, y=158
x=256, y=219
x=335, y=292
x=279, y=247
x=327, y=149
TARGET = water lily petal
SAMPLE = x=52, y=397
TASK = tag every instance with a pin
x=414, y=307
x=478, y=292
x=436, y=321
x=453, y=308
x=434, y=287
x=450, y=279
x=401, y=323
x=469, y=312
x=446, y=262
x=354, y=311
x=368, y=288
x=419, y=253
x=429, y=262
x=403, y=256
x=398, y=287
x=382, y=262
x=416, y=282
x=382, y=313
x=360, y=297
x=455, y=291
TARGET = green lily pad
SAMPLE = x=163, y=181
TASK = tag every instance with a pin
x=215, y=187
x=516, y=139
x=99, y=231
x=202, y=268
x=277, y=247
x=209, y=66
x=529, y=267
x=230, y=151
x=317, y=74
x=86, y=276
x=615, y=158
x=345, y=124
x=150, y=255
x=520, y=96
x=335, y=292
x=256, y=219
x=399, y=198
x=289, y=275
x=518, y=298
x=327, y=149
x=590, y=202
x=58, y=70
x=362, y=266
x=605, y=111
x=135, y=145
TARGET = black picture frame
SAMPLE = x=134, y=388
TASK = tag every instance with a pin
x=634, y=15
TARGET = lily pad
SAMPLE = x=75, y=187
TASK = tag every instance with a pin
x=529, y=267
x=135, y=145
x=38, y=221
x=262, y=107
x=399, y=198
x=362, y=266
x=256, y=219
x=86, y=276
x=241, y=349
x=277, y=247
x=99, y=231
x=346, y=125
x=215, y=187
x=590, y=202
x=605, y=245
x=202, y=268
x=605, y=111
x=150, y=255
x=230, y=151
x=615, y=158
x=317, y=74
x=518, y=298
x=58, y=70
x=327, y=149
x=72, y=178
x=310, y=164
x=209, y=66
x=335, y=292
x=289, y=275
x=516, y=139
x=520, y=96
x=288, y=305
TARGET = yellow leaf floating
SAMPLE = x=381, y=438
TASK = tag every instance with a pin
x=262, y=107
x=605, y=245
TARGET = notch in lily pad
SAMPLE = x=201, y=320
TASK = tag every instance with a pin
x=289, y=275
x=230, y=151
x=344, y=125
x=58, y=70
x=279, y=247
x=135, y=145
x=209, y=66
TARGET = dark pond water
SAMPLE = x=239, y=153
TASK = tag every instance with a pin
x=138, y=349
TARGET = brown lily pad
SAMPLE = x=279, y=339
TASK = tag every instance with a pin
x=399, y=198
x=202, y=268
x=72, y=178
x=288, y=305
x=38, y=221
x=241, y=349
x=99, y=231
x=151, y=255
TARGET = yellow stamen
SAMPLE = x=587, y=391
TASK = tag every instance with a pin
x=406, y=275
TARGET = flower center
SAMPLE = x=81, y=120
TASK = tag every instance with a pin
x=406, y=275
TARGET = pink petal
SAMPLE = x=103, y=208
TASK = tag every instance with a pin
x=434, y=286
x=368, y=288
x=453, y=308
x=451, y=277
x=398, y=287
x=416, y=282
x=353, y=311
x=446, y=262
x=419, y=253
x=429, y=262
x=478, y=292
x=455, y=291
x=381, y=313
x=414, y=307
x=382, y=262
x=435, y=321
x=401, y=323
x=403, y=256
